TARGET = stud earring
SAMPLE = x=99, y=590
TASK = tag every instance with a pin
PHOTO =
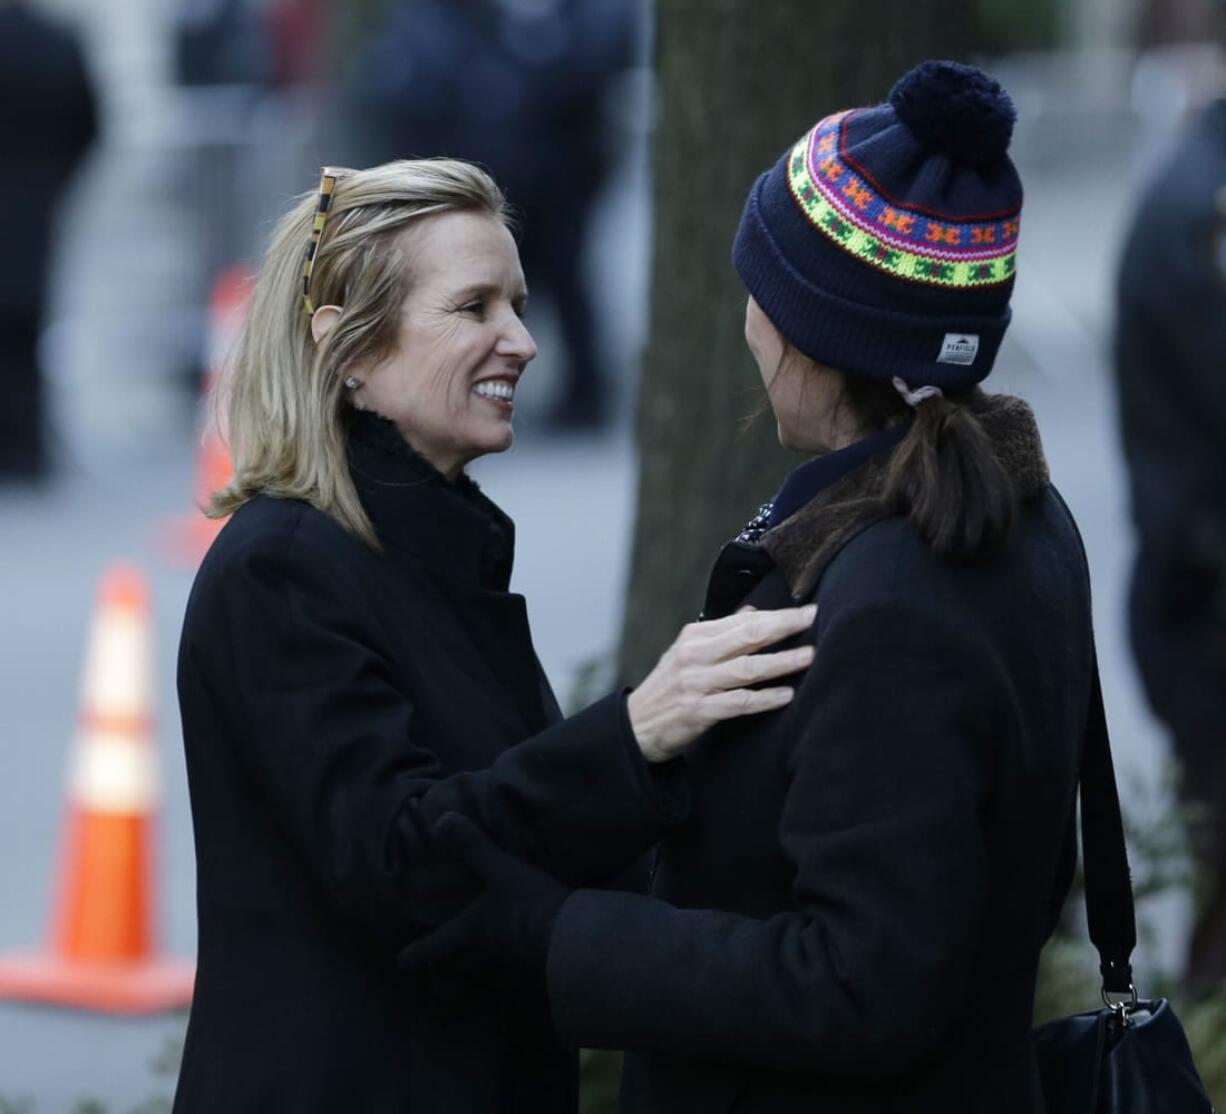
x=353, y=382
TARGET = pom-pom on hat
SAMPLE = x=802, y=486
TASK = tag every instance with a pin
x=883, y=242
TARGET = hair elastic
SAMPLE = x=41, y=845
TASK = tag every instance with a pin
x=914, y=397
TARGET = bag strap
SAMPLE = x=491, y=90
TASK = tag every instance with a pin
x=1110, y=915
x=1109, y=908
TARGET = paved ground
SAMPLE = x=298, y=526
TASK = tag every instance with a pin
x=128, y=457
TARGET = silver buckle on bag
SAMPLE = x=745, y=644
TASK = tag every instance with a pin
x=1125, y=1007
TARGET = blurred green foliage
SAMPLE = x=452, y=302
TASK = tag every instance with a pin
x=600, y=1077
x=1205, y=1023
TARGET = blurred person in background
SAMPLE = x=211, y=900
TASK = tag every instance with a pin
x=48, y=117
x=221, y=42
x=869, y=874
x=519, y=87
x=353, y=666
x=1170, y=354
x=248, y=42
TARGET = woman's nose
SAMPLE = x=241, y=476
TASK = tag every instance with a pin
x=518, y=342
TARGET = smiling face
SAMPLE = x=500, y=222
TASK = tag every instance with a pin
x=449, y=386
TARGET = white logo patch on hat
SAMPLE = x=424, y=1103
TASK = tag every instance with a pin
x=959, y=348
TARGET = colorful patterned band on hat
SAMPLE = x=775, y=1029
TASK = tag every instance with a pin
x=849, y=209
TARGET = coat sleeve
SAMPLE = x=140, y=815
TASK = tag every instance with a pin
x=286, y=645
x=882, y=825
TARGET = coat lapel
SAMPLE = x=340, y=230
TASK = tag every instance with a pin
x=459, y=542
x=498, y=635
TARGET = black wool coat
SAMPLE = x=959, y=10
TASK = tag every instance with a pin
x=850, y=918
x=1170, y=336
x=335, y=703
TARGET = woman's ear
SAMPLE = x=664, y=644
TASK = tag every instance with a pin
x=323, y=321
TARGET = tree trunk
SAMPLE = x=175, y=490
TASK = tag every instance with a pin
x=738, y=81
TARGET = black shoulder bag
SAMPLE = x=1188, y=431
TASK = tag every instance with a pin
x=1132, y=1056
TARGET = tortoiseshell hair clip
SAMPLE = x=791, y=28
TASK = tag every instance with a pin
x=327, y=183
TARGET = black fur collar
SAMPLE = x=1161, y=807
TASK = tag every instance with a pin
x=804, y=545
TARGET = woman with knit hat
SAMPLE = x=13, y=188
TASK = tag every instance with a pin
x=850, y=917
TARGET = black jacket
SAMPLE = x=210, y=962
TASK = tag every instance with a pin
x=335, y=702
x=850, y=918
x=1170, y=336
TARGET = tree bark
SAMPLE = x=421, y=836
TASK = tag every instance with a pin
x=738, y=82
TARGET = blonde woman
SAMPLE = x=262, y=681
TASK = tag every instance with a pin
x=353, y=666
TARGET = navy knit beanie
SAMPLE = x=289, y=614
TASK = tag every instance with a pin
x=883, y=242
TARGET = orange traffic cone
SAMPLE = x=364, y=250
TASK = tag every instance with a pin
x=100, y=952
x=189, y=538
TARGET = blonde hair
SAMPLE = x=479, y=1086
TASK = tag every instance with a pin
x=284, y=400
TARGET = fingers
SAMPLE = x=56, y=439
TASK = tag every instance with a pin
x=744, y=614
x=752, y=669
x=746, y=702
x=704, y=677
x=747, y=631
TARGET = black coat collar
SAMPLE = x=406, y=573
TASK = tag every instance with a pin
x=800, y=548
x=450, y=528
x=806, y=481
x=804, y=545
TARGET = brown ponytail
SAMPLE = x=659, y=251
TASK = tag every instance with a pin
x=944, y=475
